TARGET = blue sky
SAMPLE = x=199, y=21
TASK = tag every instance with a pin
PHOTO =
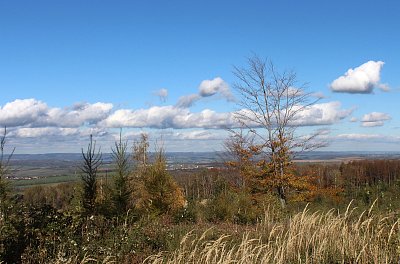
x=71, y=68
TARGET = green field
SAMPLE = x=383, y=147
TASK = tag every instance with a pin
x=51, y=180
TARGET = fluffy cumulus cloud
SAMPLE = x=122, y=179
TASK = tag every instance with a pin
x=34, y=113
x=168, y=117
x=78, y=115
x=321, y=114
x=214, y=86
x=207, y=88
x=313, y=115
x=374, y=119
x=22, y=112
x=33, y=118
x=362, y=79
x=182, y=118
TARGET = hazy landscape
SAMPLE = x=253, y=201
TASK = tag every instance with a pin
x=33, y=169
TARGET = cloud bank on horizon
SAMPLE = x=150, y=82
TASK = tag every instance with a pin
x=32, y=118
x=32, y=115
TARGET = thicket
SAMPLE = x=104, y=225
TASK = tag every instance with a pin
x=114, y=220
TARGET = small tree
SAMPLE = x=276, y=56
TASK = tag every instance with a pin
x=165, y=194
x=272, y=103
x=154, y=188
x=121, y=191
x=92, y=160
x=141, y=151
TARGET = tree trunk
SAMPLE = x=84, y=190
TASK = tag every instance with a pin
x=282, y=196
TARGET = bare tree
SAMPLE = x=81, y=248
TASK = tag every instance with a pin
x=140, y=150
x=92, y=160
x=272, y=103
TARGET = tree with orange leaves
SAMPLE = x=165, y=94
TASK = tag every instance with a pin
x=271, y=104
x=242, y=153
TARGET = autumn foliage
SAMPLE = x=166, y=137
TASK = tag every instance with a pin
x=261, y=173
x=154, y=189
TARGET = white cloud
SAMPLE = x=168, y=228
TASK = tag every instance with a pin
x=323, y=132
x=162, y=94
x=181, y=118
x=374, y=119
x=375, y=116
x=372, y=124
x=187, y=101
x=31, y=113
x=156, y=117
x=367, y=138
x=22, y=112
x=207, y=119
x=168, y=117
x=207, y=88
x=57, y=132
x=318, y=95
x=214, y=86
x=34, y=132
x=34, y=113
x=94, y=131
x=128, y=135
x=353, y=119
x=384, y=87
x=354, y=136
x=80, y=114
x=362, y=79
x=197, y=135
x=321, y=114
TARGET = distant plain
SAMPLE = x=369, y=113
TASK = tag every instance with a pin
x=46, y=169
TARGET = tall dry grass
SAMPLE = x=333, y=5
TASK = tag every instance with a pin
x=306, y=237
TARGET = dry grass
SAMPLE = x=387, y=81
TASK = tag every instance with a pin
x=85, y=260
x=304, y=238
